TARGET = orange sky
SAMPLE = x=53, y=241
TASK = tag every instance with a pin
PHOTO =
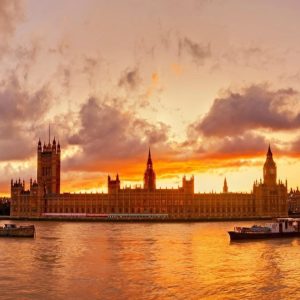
x=207, y=84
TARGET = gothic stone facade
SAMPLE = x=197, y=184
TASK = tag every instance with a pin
x=267, y=199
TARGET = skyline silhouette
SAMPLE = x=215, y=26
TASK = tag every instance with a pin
x=49, y=162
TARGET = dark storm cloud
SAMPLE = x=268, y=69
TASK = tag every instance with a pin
x=130, y=79
x=255, y=107
x=21, y=112
x=197, y=51
x=108, y=132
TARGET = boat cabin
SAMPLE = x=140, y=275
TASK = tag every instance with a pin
x=285, y=225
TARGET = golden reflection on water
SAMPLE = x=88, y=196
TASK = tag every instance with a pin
x=146, y=261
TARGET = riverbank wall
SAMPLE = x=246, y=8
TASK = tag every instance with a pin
x=133, y=220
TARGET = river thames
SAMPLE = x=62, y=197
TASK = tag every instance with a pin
x=146, y=261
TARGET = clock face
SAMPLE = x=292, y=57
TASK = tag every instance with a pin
x=272, y=171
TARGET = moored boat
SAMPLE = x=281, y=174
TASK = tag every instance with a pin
x=12, y=230
x=282, y=227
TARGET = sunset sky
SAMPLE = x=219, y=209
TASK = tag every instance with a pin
x=206, y=84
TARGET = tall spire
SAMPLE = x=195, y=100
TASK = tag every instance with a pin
x=149, y=175
x=39, y=145
x=225, y=186
x=149, y=162
x=269, y=151
x=270, y=169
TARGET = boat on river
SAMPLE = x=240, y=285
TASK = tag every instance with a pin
x=280, y=228
x=12, y=230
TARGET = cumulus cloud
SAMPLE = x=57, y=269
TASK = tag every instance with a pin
x=198, y=52
x=21, y=112
x=255, y=107
x=242, y=124
x=247, y=144
x=108, y=132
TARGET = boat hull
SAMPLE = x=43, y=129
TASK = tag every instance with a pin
x=25, y=232
x=234, y=236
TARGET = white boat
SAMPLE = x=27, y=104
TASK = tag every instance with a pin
x=282, y=227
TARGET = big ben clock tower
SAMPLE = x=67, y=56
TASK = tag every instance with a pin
x=270, y=196
x=270, y=169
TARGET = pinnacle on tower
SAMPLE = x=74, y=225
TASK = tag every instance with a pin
x=39, y=145
x=269, y=151
x=54, y=145
x=149, y=162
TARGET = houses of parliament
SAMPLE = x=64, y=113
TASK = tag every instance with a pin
x=268, y=197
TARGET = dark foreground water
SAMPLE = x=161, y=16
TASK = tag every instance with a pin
x=146, y=261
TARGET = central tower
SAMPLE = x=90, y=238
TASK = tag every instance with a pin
x=48, y=167
x=149, y=176
x=225, y=186
x=270, y=169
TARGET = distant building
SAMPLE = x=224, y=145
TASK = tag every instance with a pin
x=294, y=202
x=267, y=199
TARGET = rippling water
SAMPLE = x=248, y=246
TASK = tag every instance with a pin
x=146, y=261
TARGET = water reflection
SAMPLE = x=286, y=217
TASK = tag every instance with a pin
x=153, y=261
